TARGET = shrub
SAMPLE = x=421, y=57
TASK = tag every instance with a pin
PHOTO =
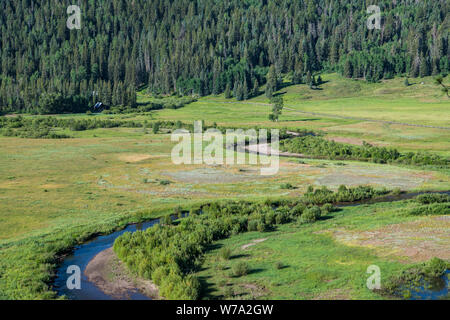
x=253, y=225
x=240, y=269
x=262, y=226
x=225, y=253
x=327, y=208
x=431, y=209
x=310, y=215
x=287, y=186
x=298, y=210
x=270, y=218
x=432, y=198
x=228, y=292
x=435, y=267
x=281, y=218
x=323, y=149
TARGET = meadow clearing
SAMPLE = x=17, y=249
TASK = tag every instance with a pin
x=56, y=193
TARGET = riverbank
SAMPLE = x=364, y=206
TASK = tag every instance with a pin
x=109, y=274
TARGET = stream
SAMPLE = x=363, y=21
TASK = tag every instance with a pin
x=84, y=253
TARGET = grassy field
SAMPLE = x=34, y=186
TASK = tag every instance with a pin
x=55, y=194
x=389, y=101
x=325, y=260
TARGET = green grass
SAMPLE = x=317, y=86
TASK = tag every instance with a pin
x=389, y=100
x=314, y=264
x=55, y=194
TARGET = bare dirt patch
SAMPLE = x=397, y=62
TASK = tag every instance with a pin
x=372, y=175
x=212, y=176
x=137, y=157
x=107, y=272
x=253, y=243
x=254, y=290
x=333, y=294
x=416, y=241
x=53, y=186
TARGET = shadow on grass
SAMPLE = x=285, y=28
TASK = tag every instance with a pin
x=238, y=256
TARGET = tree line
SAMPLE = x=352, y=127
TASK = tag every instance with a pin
x=314, y=146
x=205, y=47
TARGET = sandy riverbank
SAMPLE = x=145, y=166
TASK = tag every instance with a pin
x=109, y=274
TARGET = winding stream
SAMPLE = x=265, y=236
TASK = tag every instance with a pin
x=85, y=252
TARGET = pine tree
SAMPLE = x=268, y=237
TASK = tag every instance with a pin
x=228, y=91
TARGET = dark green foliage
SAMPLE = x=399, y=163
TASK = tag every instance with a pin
x=253, y=225
x=44, y=127
x=310, y=215
x=431, y=209
x=240, y=269
x=204, y=46
x=327, y=208
x=440, y=82
x=321, y=148
x=433, y=198
x=277, y=108
x=287, y=186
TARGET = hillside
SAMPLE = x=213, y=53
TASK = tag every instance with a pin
x=205, y=47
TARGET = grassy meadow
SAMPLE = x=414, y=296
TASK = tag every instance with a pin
x=55, y=194
x=325, y=260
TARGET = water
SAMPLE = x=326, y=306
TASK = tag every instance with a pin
x=435, y=290
x=81, y=256
x=84, y=253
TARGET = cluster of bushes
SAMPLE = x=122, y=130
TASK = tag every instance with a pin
x=322, y=148
x=41, y=133
x=429, y=198
x=43, y=127
x=155, y=104
x=169, y=253
x=324, y=195
x=431, y=204
x=431, y=209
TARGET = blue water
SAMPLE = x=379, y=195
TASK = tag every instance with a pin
x=432, y=291
x=81, y=256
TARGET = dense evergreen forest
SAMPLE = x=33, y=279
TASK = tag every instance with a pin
x=205, y=47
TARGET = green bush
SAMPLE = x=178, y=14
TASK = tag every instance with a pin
x=435, y=267
x=298, y=210
x=433, y=198
x=240, y=269
x=310, y=215
x=225, y=253
x=431, y=209
x=253, y=225
x=262, y=226
x=327, y=208
x=287, y=186
x=228, y=292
